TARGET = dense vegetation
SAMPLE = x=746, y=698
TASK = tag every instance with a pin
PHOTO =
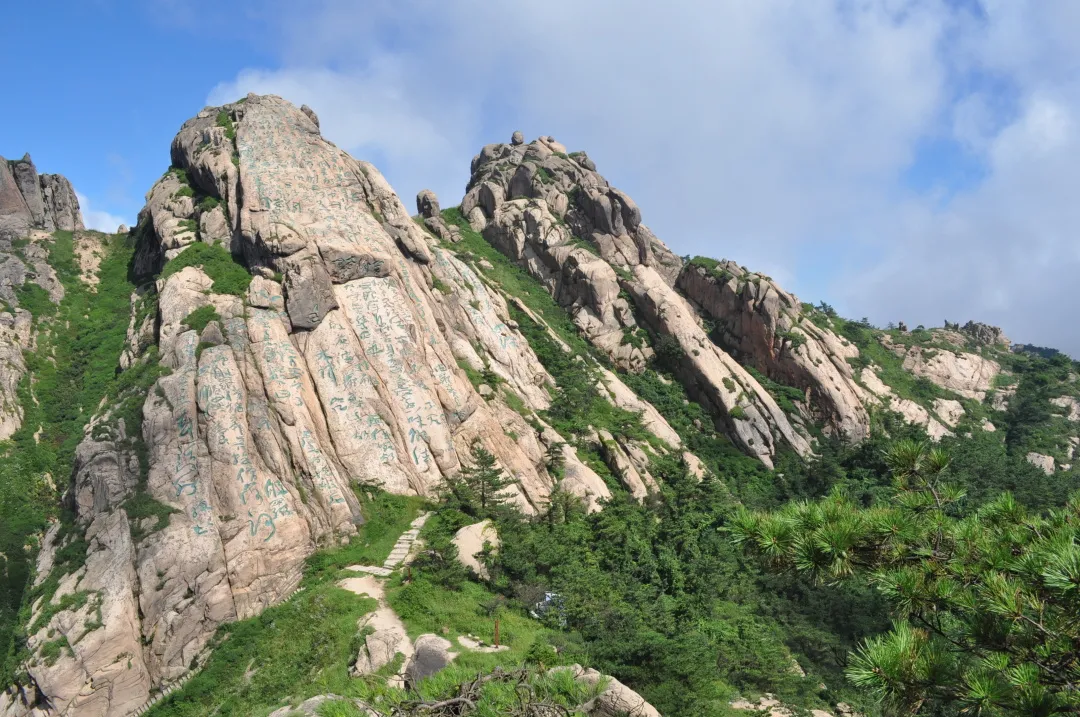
x=229, y=275
x=986, y=600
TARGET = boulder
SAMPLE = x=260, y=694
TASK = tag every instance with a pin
x=985, y=334
x=309, y=294
x=949, y=411
x=517, y=138
x=317, y=705
x=380, y=648
x=1043, y=462
x=431, y=654
x=1071, y=404
x=427, y=204
x=615, y=700
x=470, y=541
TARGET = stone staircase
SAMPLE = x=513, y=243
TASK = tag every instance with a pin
x=401, y=554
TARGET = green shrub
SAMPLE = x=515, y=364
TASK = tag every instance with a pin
x=786, y=396
x=69, y=373
x=199, y=318
x=633, y=337
x=53, y=649
x=142, y=505
x=224, y=119
x=793, y=337
x=184, y=191
x=737, y=413
x=208, y=204
x=669, y=352
x=229, y=276
x=35, y=300
x=180, y=174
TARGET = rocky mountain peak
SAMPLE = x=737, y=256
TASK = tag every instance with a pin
x=296, y=341
x=29, y=200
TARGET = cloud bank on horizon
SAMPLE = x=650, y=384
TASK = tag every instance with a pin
x=909, y=160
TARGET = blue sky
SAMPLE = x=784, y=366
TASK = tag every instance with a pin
x=900, y=159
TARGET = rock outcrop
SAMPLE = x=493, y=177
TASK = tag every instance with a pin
x=750, y=415
x=965, y=374
x=554, y=215
x=765, y=327
x=29, y=200
x=879, y=393
x=615, y=700
x=22, y=263
x=338, y=365
x=470, y=541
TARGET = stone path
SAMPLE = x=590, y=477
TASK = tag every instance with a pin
x=385, y=621
x=402, y=552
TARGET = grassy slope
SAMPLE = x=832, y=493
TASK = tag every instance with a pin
x=304, y=647
x=73, y=368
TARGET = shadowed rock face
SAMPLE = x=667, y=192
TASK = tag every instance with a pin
x=32, y=201
x=764, y=326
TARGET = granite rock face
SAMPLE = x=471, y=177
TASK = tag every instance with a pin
x=765, y=327
x=966, y=374
x=21, y=265
x=340, y=366
x=552, y=213
x=29, y=200
x=555, y=216
x=31, y=206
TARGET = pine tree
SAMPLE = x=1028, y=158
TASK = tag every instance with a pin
x=987, y=605
x=479, y=489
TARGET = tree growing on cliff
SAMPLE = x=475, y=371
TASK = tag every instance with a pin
x=986, y=605
x=479, y=490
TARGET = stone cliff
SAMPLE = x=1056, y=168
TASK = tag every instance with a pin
x=29, y=200
x=31, y=206
x=337, y=363
x=554, y=215
x=766, y=327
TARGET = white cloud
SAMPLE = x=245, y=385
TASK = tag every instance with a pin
x=776, y=132
x=98, y=219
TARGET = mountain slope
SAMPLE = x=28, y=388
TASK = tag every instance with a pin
x=278, y=343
